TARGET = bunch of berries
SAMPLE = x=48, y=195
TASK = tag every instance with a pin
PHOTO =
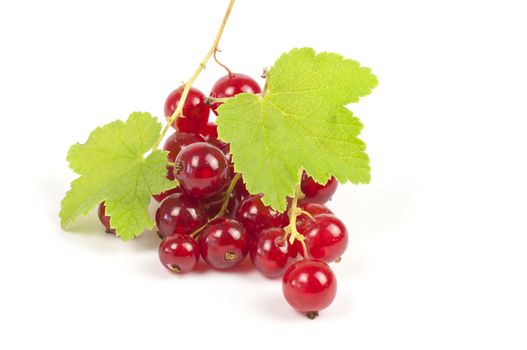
x=212, y=215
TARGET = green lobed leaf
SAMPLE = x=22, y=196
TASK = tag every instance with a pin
x=112, y=168
x=299, y=124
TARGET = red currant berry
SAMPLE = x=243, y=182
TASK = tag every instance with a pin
x=161, y=196
x=179, y=140
x=203, y=170
x=179, y=214
x=271, y=253
x=312, y=208
x=105, y=219
x=224, y=243
x=195, y=111
x=210, y=132
x=179, y=253
x=241, y=190
x=214, y=204
x=309, y=286
x=255, y=216
x=315, y=192
x=225, y=148
x=326, y=238
x=175, y=143
x=315, y=209
x=233, y=84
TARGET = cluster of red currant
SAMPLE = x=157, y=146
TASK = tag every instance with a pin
x=211, y=214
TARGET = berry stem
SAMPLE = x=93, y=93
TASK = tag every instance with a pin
x=294, y=212
x=212, y=100
x=188, y=84
x=221, y=64
x=224, y=205
x=266, y=86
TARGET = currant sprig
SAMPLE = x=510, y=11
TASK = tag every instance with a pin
x=255, y=182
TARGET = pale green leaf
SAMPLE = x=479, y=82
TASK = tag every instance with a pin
x=300, y=123
x=112, y=168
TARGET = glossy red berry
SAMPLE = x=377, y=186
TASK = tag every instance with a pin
x=271, y=253
x=214, y=204
x=315, y=209
x=175, y=143
x=326, y=238
x=241, y=190
x=312, y=208
x=210, y=132
x=255, y=216
x=202, y=170
x=309, y=285
x=231, y=85
x=195, y=111
x=225, y=148
x=179, y=140
x=179, y=214
x=105, y=219
x=223, y=243
x=161, y=196
x=315, y=192
x=179, y=253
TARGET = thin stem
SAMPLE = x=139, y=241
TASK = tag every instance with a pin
x=264, y=73
x=228, y=193
x=179, y=109
x=224, y=205
x=291, y=230
x=306, y=213
x=221, y=64
x=266, y=86
x=212, y=100
x=292, y=217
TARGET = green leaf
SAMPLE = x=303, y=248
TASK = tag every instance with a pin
x=113, y=169
x=299, y=124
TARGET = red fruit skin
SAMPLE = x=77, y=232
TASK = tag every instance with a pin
x=179, y=140
x=316, y=209
x=241, y=190
x=231, y=85
x=179, y=214
x=179, y=253
x=255, y=216
x=312, y=208
x=195, y=111
x=326, y=238
x=213, y=204
x=224, y=146
x=174, y=144
x=210, y=132
x=161, y=196
x=315, y=192
x=105, y=219
x=204, y=170
x=272, y=254
x=224, y=243
x=309, y=285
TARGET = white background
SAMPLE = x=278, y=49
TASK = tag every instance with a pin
x=438, y=254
